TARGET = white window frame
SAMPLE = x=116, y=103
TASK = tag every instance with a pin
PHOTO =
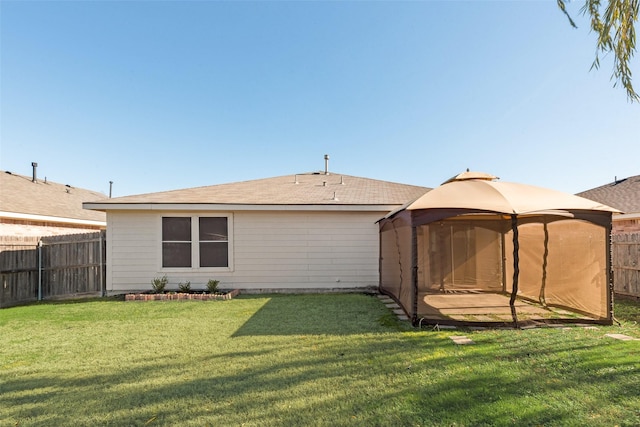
x=195, y=243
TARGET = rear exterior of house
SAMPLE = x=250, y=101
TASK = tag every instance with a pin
x=306, y=232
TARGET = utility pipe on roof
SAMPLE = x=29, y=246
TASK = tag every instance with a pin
x=34, y=178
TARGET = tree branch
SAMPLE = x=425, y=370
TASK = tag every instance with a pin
x=616, y=34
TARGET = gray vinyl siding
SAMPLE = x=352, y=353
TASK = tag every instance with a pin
x=270, y=250
x=131, y=250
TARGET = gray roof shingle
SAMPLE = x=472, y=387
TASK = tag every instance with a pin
x=622, y=194
x=313, y=188
x=19, y=195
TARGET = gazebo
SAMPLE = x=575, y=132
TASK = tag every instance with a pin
x=479, y=251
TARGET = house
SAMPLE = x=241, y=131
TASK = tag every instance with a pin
x=310, y=231
x=624, y=195
x=33, y=207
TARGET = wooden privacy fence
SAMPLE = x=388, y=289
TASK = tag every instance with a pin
x=33, y=269
x=37, y=268
x=626, y=263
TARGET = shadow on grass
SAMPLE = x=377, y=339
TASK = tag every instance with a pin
x=324, y=314
x=375, y=381
x=70, y=301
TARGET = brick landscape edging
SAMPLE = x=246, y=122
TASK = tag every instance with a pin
x=178, y=296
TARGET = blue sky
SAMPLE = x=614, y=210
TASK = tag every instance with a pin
x=161, y=95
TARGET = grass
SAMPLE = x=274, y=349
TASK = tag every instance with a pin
x=319, y=360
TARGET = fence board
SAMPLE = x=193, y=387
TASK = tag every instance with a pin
x=64, y=266
x=18, y=270
x=626, y=263
x=71, y=264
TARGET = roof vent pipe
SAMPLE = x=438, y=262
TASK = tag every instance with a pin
x=342, y=180
x=326, y=164
x=110, y=188
x=296, y=179
x=35, y=166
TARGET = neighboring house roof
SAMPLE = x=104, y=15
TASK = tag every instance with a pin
x=306, y=189
x=622, y=194
x=23, y=199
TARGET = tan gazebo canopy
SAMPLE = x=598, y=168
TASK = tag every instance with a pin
x=503, y=197
x=477, y=236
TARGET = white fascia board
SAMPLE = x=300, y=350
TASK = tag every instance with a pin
x=622, y=217
x=46, y=218
x=230, y=207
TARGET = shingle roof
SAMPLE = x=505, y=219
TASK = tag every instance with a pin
x=622, y=194
x=313, y=188
x=19, y=195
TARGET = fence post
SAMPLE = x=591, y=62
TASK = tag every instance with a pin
x=103, y=289
x=39, y=270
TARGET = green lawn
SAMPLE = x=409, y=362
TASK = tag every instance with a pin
x=319, y=360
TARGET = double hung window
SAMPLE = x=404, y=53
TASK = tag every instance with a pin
x=195, y=242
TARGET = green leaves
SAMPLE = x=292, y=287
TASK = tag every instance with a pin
x=615, y=29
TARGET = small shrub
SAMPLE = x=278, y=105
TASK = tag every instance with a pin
x=212, y=286
x=159, y=283
x=185, y=287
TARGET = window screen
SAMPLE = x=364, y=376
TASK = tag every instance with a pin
x=214, y=242
x=176, y=242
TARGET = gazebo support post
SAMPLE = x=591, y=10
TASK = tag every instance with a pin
x=545, y=263
x=610, y=274
x=516, y=268
x=414, y=273
x=442, y=255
